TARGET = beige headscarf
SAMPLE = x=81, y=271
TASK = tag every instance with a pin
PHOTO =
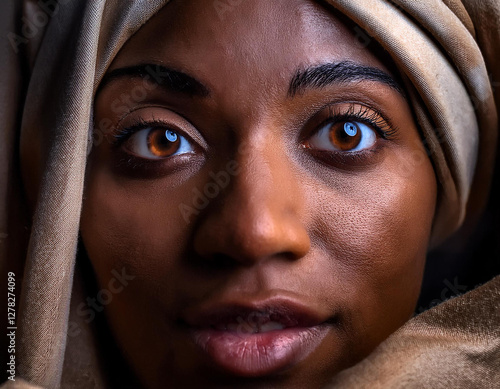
x=55, y=55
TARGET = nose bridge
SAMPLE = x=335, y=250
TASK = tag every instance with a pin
x=259, y=215
x=262, y=195
x=263, y=167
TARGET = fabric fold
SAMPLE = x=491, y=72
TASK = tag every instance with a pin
x=438, y=54
x=447, y=53
x=455, y=345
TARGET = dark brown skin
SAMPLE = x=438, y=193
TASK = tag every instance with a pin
x=345, y=235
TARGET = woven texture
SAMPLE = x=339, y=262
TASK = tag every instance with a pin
x=456, y=345
x=447, y=52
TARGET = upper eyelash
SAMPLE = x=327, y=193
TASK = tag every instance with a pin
x=120, y=135
x=355, y=112
x=365, y=115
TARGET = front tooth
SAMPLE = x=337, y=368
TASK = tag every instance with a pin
x=271, y=326
x=241, y=328
x=245, y=327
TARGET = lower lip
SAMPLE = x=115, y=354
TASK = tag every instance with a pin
x=259, y=354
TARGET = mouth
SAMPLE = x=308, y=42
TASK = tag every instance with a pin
x=256, y=338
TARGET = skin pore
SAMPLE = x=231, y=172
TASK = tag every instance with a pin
x=259, y=166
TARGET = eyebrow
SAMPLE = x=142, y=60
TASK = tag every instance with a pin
x=314, y=77
x=322, y=75
x=169, y=79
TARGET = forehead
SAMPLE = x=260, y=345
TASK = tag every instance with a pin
x=251, y=41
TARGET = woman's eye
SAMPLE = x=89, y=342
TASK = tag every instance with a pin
x=347, y=136
x=157, y=143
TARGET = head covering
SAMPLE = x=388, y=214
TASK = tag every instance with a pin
x=56, y=53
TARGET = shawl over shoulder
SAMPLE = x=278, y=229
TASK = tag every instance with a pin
x=60, y=49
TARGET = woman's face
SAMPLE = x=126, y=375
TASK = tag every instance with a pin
x=262, y=185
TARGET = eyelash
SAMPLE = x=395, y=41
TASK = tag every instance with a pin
x=335, y=114
x=121, y=135
x=365, y=115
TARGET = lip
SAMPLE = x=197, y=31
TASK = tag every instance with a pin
x=256, y=338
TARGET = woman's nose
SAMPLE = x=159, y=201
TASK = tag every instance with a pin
x=259, y=215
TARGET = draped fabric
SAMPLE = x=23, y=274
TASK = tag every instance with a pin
x=55, y=54
x=455, y=345
x=65, y=53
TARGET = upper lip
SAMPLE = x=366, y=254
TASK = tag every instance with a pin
x=286, y=311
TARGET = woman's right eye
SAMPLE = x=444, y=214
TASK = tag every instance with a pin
x=157, y=143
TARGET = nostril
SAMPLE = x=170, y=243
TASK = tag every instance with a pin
x=216, y=262
x=219, y=262
x=222, y=261
x=252, y=224
x=290, y=256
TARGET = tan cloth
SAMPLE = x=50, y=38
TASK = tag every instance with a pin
x=447, y=50
x=455, y=345
x=20, y=384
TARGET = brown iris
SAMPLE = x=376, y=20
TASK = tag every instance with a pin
x=345, y=136
x=163, y=143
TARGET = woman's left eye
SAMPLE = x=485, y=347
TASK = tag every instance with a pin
x=157, y=143
x=344, y=136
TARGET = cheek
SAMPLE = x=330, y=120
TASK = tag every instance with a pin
x=376, y=231
x=133, y=224
x=137, y=226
